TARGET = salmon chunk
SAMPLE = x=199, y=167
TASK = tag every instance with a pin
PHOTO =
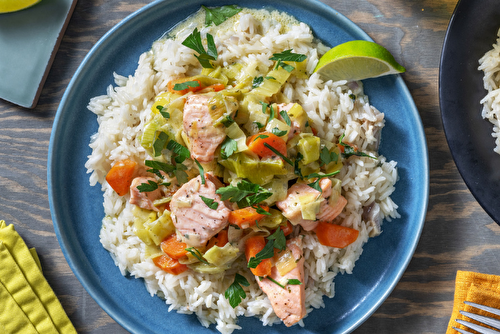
x=195, y=221
x=204, y=137
x=291, y=205
x=143, y=200
x=289, y=302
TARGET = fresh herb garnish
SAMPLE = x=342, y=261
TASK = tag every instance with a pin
x=288, y=55
x=315, y=184
x=353, y=97
x=235, y=292
x=285, y=66
x=196, y=253
x=278, y=132
x=163, y=111
x=325, y=156
x=159, y=166
x=180, y=173
x=228, y=147
x=264, y=106
x=245, y=193
x=220, y=14
x=275, y=282
x=261, y=137
x=194, y=42
x=275, y=240
x=227, y=121
x=260, y=210
x=181, y=152
x=147, y=187
x=211, y=203
x=257, y=81
x=202, y=172
x=275, y=151
x=259, y=125
x=186, y=85
x=294, y=281
x=271, y=113
x=350, y=150
x=296, y=168
x=159, y=144
x=285, y=117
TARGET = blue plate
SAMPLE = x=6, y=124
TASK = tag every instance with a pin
x=77, y=215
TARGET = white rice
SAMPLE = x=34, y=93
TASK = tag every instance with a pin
x=122, y=112
x=490, y=65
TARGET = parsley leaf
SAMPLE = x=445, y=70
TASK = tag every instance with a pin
x=220, y=14
x=278, y=132
x=245, y=193
x=193, y=41
x=202, y=172
x=257, y=81
x=259, y=125
x=353, y=97
x=147, y=187
x=286, y=67
x=229, y=146
x=180, y=173
x=211, y=203
x=294, y=281
x=182, y=153
x=235, y=292
x=227, y=121
x=161, y=109
x=326, y=156
x=159, y=144
x=288, y=55
x=264, y=106
x=296, y=168
x=275, y=240
x=350, y=150
x=260, y=137
x=159, y=166
x=261, y=211
x=271, y=113
x=186, y=85
x=315, y=184
x=286, y=118
x=275, y=282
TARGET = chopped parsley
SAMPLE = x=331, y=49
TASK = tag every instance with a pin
x=275, y=240
x=202, y=172
x=264, y=106
x=186, y=85
x=181, y=152
x=227, y=121
x=147, y=187
x=294, y=281
x=163, y=111
x=193, y=41
x=157, y=166
x=220, y=14
x=271, y=113
x=349, y=150
x=286, y=118
x=245, y=193
x=257, y=81
x=315, y=184
x=275, y=151
x=211, y=203
x=325, y=156
x=288, y=55
x=278, y=132
x=228, y=147
x=235, y=293
x=159, y=144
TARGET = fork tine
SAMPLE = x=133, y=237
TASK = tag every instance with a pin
x=461, y=330
x=484, y=308
x=479, y=329
x=485, y=320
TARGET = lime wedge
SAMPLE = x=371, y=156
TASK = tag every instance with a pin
x=7, y=6
x=357, y=60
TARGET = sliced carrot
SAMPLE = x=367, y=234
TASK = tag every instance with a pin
x=246, y=217
x=333, y=235
x=171, y=86
x=171, y=266
x=287, y=228
x=256, y=144
x=254, y=245
x=174, y=248
x=217, y=87
x=219, y=240
x=120, y=176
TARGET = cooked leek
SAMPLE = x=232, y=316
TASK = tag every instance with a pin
x=220, y=256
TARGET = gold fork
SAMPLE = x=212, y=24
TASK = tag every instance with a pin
x=483, y=319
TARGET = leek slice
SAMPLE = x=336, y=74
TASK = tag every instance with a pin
x=221, y=256
x=235, y=133
x=280, y=126
x=272, y=82
x=285, y=262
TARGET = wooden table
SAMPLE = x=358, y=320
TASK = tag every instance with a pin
x=458, y=234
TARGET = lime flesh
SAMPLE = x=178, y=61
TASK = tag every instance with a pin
x=8, y=6
x=357, y=60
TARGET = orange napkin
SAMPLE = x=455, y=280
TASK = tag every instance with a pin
x=477, y=288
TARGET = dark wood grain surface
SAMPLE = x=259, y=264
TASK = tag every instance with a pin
x=458, y=234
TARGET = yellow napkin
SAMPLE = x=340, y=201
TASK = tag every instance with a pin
x=477, y=288
x=27, y=301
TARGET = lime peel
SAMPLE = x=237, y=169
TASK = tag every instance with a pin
x=9, y=6
x=357, y=60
